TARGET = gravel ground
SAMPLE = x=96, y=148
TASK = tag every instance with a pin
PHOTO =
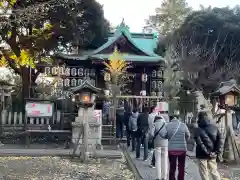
x=56, y=168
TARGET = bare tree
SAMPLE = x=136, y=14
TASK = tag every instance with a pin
x=202, y=70
x=200, y=67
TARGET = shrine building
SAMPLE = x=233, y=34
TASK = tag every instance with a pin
x=138, y=49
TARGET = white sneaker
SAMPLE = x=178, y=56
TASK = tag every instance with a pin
x=152, y=166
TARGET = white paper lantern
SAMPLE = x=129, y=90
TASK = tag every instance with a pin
x=154, y=84
x=54, y=70
x=73, y=82
x=60, y=82
x=47, y=70
x=107, y=76
x=73, y=71
x=144, y=77
x=79, y=82
x=61, y=70
x=92, y=72
x=80, y=72
x=67, y=82
x=67, y=71
x=159, y=85
x=154, y=73
x=86, y=72
x=159, y=73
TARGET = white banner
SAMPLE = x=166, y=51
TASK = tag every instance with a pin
x=162, y=106
x=34, y=109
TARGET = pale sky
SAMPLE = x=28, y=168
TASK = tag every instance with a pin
x=135, y=12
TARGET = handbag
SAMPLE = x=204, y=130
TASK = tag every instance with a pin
x=155, y=135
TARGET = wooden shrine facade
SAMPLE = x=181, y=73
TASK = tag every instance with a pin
x=147, y=68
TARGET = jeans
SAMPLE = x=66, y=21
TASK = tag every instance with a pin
x=134, y=136
x=173, y=165
x=119, y=130
x=128, y=134
x=145, y=144
x=207, y=167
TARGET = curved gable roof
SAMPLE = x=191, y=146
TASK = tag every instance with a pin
x=123, y=30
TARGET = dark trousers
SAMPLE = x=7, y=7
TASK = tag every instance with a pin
x=153, y=159
x=134, y=138
x=173, y=165
x=119, y=130
x=143, y=135
x=128, y=135
x=153, y=156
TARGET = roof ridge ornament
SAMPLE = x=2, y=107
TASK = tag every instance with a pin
x=123, y=26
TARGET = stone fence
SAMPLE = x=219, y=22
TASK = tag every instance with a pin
x=16, y=118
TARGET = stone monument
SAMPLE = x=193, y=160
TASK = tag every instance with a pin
x=86, y=130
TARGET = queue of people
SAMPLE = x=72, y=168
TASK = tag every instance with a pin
x=168, y=142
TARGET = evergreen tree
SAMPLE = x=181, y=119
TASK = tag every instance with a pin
x=169, y=16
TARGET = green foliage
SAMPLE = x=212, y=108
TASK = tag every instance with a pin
x=32, y=30
x=38, y=27
x=169, y=16
x=207, y=43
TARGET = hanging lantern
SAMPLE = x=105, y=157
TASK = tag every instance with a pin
x=67, y=71
x=73, y=82
x=80, y=72
x=67, y=82
x=154, y=85
x=86, y=72
x=154, y=73
x=55, y=70
x=144, y=77
x=79, y=82
x=60, y=82
x=73, y=71
x=92, y=72
x=61, y=70
x=47, y=70
x=159, y=74
x=159, y=85
x=107, y=76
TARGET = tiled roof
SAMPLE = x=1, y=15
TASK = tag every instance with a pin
x=146, y=43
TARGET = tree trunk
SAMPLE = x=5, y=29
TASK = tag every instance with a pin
x=25, y=74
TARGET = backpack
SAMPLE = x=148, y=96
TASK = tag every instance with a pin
x=133, y=122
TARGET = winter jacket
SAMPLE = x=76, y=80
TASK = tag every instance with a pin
x=177, y=135
x=160, y=140
x=142, y=122
x=208, y=139
x=133, y=122
x=120, y=115
x=151, y=118
x=126, y=118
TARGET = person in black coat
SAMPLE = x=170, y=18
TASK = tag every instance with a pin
x=119, y=122
x=210, y=144
x=142, y=132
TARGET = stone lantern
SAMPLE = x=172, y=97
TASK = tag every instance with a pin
x=227, y=93
x=226, y=96
x=6, y=90
x=85, y=129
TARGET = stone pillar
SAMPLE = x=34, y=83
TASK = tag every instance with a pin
x=86, y=133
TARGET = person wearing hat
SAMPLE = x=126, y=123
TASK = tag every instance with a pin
x=177, y=135
x=160, y=147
